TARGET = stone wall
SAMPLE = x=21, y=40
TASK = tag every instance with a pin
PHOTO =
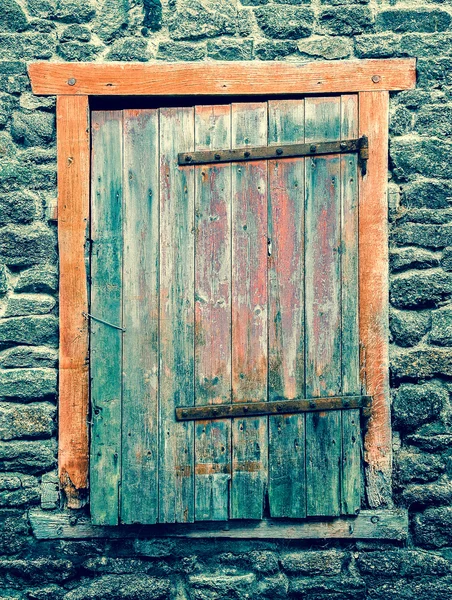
x=420, y=213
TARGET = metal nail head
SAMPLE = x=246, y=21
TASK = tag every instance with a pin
x=71, y=81
x=376, y=78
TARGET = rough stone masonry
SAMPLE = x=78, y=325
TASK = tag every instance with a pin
x=420, y=214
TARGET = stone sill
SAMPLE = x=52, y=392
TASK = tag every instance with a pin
x=368, y=525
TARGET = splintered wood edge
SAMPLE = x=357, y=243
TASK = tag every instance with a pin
x=73, y=150
x=374, y=297
x=368, y=525
x=222, y=78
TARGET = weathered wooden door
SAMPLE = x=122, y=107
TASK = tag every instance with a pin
x=224, y=283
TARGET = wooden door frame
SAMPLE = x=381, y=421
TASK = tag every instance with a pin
x=74, y=83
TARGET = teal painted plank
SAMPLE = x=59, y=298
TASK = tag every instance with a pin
x=106, y=304
x=351, y=476
x=249, y=313
x=139, y=487
x=287, y=476
x=212, y=314
x=176, y=445
x=323, y=308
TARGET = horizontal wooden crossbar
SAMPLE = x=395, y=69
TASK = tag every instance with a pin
x=367, y=525
x=222, y=78
x=278, y=407
x=267, y=152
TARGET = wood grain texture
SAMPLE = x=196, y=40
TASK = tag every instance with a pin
x=212, y=314
x=287, y=477
x=176, y=445
x=351, y=475
x=73, y=148
x=373, y=296
x=139, y=484
x=323, y=308
x=106, y=303
x=249, y=312
x=368, y=525
x=222, y=78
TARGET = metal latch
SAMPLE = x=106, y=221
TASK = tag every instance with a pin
x=276, y=407
x=203, y=157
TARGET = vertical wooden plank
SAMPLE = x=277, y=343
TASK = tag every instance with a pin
x=139, y=486
x=176, y=448
x=286, y=484
x=106, y=304
x=212, y=314
x=323, y=308
x=373, y=296
x=351, y=481
x=249, y=312
x=73, y=148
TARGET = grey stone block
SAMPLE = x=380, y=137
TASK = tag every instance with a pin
x=421, y=362
x=408, y=327
x=420, y=289
x=418, y=234
x=17, y=489
x=32, y=421
x=284, y=22
x=404, y=20
x=427, y=193
x=129, y=49
x=28, y=384
x=327, y=48
x=23, y=357
x=325, y=562
x=401, y=259
x=121, y=587
x=415, y=467
x=35, y=456
x=12, y=16
x=346, y=20
x=19, y=305
x=230, y=49
x=35, y=331
x=433, y=527
x=33, y=129
x=41, y=279
x=192, y=19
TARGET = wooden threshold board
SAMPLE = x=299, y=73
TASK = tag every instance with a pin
x=367, y=525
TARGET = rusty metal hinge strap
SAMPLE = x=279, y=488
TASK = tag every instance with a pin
x=276, y=407
x=203, y=157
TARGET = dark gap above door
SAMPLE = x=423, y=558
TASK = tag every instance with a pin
x=136, y=102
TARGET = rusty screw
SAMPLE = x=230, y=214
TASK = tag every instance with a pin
x=313, y=148
x=343, y=146
x=246, y=154
x=217, y=156
x=71, y=81
x=184, y=413
x=376, y=78
x=279, y=151
x=188, y=159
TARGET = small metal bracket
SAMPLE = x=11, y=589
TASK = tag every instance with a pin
x=363, y=153
x=203, y=157
x=277, y=407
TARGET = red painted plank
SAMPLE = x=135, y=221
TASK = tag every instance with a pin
x=249, y=312
x=212, y=314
